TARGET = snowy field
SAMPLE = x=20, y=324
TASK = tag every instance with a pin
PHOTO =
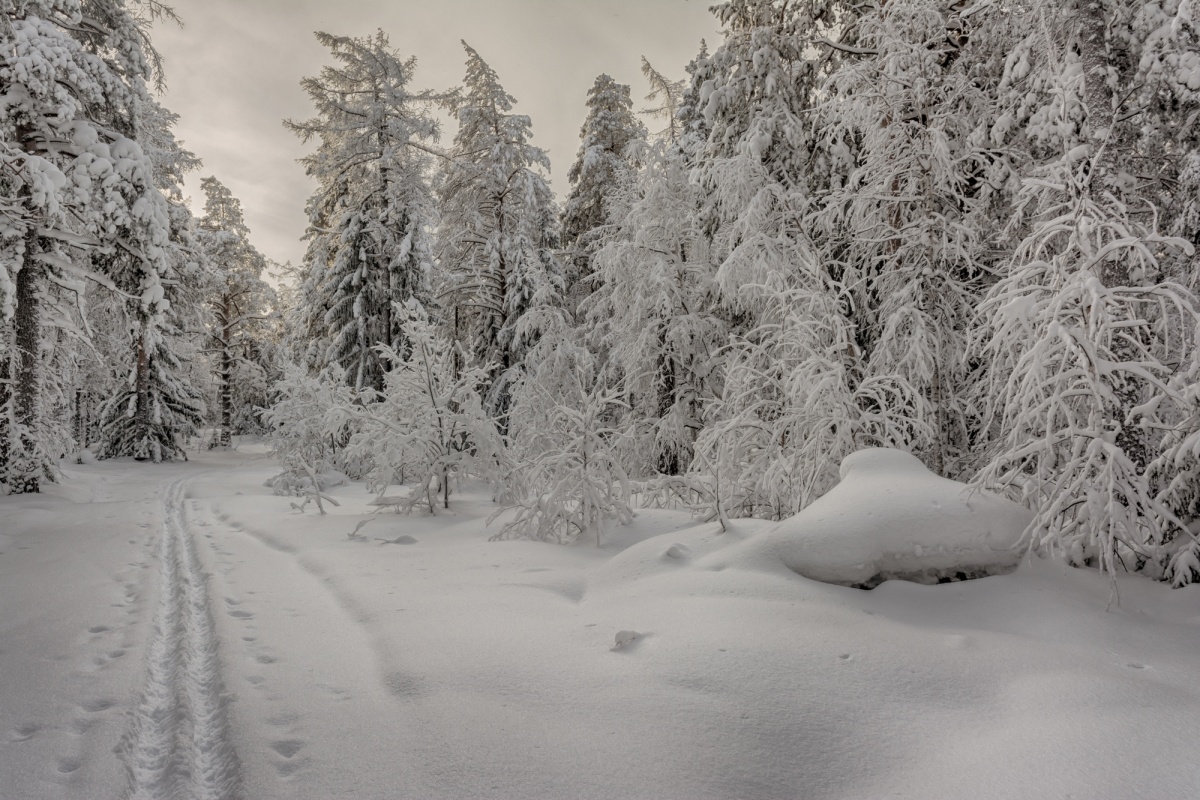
x=177, y=631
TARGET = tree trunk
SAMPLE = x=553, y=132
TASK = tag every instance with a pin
x=141, y=413
x=27, y=391
x=223, y=437
x=1103, y=185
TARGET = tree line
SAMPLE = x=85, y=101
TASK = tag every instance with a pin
x=963, y=229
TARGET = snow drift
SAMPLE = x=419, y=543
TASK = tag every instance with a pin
x=891, y=518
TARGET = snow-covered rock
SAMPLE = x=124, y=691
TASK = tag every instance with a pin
x=891, y=518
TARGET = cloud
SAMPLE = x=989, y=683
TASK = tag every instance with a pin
x=234, y=71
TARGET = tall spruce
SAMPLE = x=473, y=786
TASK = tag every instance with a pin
x=76, y=183
x=241, y=303
x=155, y=401
x=601, y=167
x=497, y=231
x=368, y=239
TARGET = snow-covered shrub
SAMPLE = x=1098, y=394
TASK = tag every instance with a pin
x=890, y=518
x=308, y=417
x=427, y=425
x=567, y=431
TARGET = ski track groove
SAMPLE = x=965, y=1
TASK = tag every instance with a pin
x=178, y=746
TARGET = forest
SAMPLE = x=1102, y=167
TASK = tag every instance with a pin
x=964, y=229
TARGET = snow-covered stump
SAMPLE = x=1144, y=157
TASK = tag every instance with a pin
x=890, y=518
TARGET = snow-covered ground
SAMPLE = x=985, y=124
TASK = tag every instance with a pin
x=177, y=628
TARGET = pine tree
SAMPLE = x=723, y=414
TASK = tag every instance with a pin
x=75, y=181
x=601, y=167
x=240, y=301
x=368, y=239
x=497, y=231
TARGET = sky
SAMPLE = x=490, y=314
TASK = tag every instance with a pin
x=233, y=73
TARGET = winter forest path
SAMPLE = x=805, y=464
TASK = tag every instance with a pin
x=179, y=743
x=177, y=631
x=311, y=712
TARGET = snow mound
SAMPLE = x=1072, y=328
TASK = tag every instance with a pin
x=891, y=518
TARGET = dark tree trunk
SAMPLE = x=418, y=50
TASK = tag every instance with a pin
x=27, y=390
x=224, y=317
x=141, y=418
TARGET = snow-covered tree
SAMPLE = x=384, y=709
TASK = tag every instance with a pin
x=368, y=237
x=653, y=314
x=667, y=96
x=428, y=425
x=75, y=182
x=902, y=151
x=1084, y=335
x=156, y=402
x=568, y=432
x=155, y=406
x=242, y=305
x=601, y=167
x=497, y=230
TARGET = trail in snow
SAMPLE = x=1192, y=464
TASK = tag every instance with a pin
x=179, y=744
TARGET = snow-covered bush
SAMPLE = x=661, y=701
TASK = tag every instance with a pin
x=308, y=417
x=890, y=518
x=567, y=431
x=427, y=426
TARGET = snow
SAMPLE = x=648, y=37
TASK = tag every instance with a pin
x=665, y=664
x=890, y=517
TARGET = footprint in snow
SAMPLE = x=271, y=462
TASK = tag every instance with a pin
x=68, y=765
x=626, y=639
x=24, y=732
x=99, y=629
x=677, y=551
x=239, y=614
x=405, y=539
x=98, y=705
x=287, y=747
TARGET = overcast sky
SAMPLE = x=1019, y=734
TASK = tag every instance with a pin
x=234, y=68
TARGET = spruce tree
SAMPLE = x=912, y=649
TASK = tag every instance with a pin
x=497, y=232
x=76, y=182
x=368, y=238
x=601, y=167
x=240, y=301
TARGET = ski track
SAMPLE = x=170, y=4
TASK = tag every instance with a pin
x=178, y=746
